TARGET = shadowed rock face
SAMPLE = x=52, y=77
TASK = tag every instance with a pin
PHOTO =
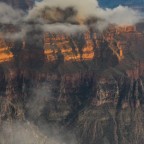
x=96, y=107
x=98, y=95
x=91, y=84
x=34, y=50
x=27, y=58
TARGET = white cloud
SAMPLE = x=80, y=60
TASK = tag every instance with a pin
x=67, y=16
x=8, y=15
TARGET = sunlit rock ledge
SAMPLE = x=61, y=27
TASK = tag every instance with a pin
x=84, y=46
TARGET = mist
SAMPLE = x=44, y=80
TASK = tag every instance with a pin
x=34, y=129
x=28, y=133
x=8, y=15
x=67, y=16
x=79, y=12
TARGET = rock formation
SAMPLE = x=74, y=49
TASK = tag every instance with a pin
x=89, y=83
x=95, y=83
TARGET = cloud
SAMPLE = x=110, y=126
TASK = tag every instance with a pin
x=55, y=11
x=26, y=132
x=64, y=28
x=8, y=15
x=14, y=35
x=34, y=129
x=121, y=16
x=67, y=16
x=83, y=8
x=40, y=96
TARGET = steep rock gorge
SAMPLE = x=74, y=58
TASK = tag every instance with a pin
x=88, y=83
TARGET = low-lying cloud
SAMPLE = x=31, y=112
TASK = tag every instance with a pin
x=8, y=15
x=26, y=132
x=79, y=12
x=67, y=16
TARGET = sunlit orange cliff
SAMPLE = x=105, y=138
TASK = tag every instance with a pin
x=79, y=47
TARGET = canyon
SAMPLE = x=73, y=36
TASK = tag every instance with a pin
x=95, y=81
x=90, y=84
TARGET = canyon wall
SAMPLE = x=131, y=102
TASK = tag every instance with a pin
x=88, y=83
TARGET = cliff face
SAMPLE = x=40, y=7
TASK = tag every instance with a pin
x=90, y=83
x=97, y=108
x=5, y=55
x=88, y=46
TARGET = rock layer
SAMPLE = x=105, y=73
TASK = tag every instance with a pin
x=89, y=83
